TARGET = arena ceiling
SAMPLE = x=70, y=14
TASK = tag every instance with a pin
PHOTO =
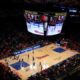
x=65, y=2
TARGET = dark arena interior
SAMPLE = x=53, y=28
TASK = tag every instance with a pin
x=39, y=40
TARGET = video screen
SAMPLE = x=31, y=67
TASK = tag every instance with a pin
x=38, y=22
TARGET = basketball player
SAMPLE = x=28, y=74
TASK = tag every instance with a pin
x=33, y=58
x=22, y=60
x=28, y=56
x=33, y=63
x=33, y=50
x=17, y=56
x=40, y=64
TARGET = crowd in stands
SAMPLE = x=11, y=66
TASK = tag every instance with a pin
x=73, y=44
x=69, y=43
x=7, y=74
x=14, y=41
x=11, y=42
x=61, y=70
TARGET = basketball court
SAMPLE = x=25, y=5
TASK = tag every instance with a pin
x=31, y=62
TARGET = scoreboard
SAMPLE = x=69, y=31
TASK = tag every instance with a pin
x=38, y=22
